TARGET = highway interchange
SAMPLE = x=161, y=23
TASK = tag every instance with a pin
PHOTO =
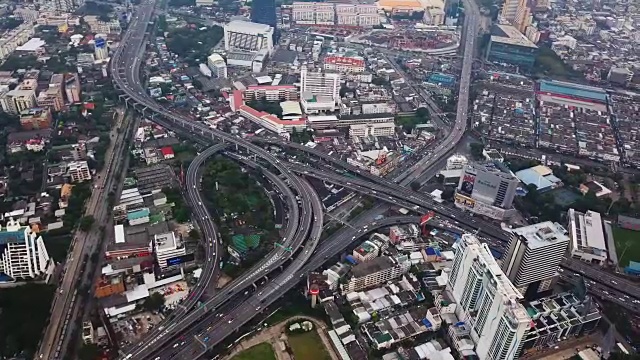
x=192, y=329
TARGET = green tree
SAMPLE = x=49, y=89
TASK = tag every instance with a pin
x=415, y=185
x=476, y=150
x=447, y=193
x=86, y=222
x=194, y=234
x=88, y=352
x=154, y=302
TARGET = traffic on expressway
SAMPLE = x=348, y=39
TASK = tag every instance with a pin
x=125, y=71
x=191, y=331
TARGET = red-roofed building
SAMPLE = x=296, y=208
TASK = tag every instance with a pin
x=344, y=64
x=272, y=122
x=167, y=152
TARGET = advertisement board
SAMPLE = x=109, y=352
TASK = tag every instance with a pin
x=426, y=217
x=468, y=181
x=467, y=202
x=180, y=259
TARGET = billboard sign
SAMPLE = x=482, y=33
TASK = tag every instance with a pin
x=177, y=260
x=99, y=43
x=426, y=217
x=465, y=201
x=468, y=181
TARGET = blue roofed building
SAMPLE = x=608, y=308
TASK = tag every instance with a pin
x=541, y=176
x=139, y=216
x=441, y=79
x=573, y=90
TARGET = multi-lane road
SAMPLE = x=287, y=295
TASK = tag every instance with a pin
x=230, y=317
x=425, y=168
x=125, y=68
x=66, y=304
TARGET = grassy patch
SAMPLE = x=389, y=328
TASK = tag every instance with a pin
x=627, y=245
x=308, y=346
x=262, y=351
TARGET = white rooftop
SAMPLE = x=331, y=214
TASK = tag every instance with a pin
x=247, y=27
x=31, y=45
x=543, y=234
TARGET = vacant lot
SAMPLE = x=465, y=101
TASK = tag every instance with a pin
x=627, y=245
x=260, y=351
x=308, y=346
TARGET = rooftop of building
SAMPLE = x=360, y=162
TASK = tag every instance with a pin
x=372, y=266
x=248, y=27
x=571, y=89
x=541, y=176
x=542, y=234
x=507, y=34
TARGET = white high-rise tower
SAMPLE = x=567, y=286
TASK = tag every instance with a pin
x=487, y=301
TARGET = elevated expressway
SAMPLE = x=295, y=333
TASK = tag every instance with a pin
x=125, y=72
x=426, y=168
x=207, y=227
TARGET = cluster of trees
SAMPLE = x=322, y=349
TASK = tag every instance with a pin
x=301, y=137
x=548, y=63
x=55, y=64
x=238, y=193
x=180, y=210
x=181, y=3
x=154, y=302
x=193, y=44
x=545, y=207
x=98, y=9
x=266, y=106
x=75, y=209
x=25, y=310
x=8, y=23
x=408, y=123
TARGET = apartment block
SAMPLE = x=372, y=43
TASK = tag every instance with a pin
x=17, y=100
x=53, y=96
x=35, y=118
x=382, y=129
x=271, y=93
x=318, y=13
x=72, y=88
x=14, y=38
x=344, y=64
x=78, y=171
x=376, y=271
x=320, y=83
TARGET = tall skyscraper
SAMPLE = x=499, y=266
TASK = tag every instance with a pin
x=487, y=189
x=487, y=301
x=533, y=255
x=264, y=12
